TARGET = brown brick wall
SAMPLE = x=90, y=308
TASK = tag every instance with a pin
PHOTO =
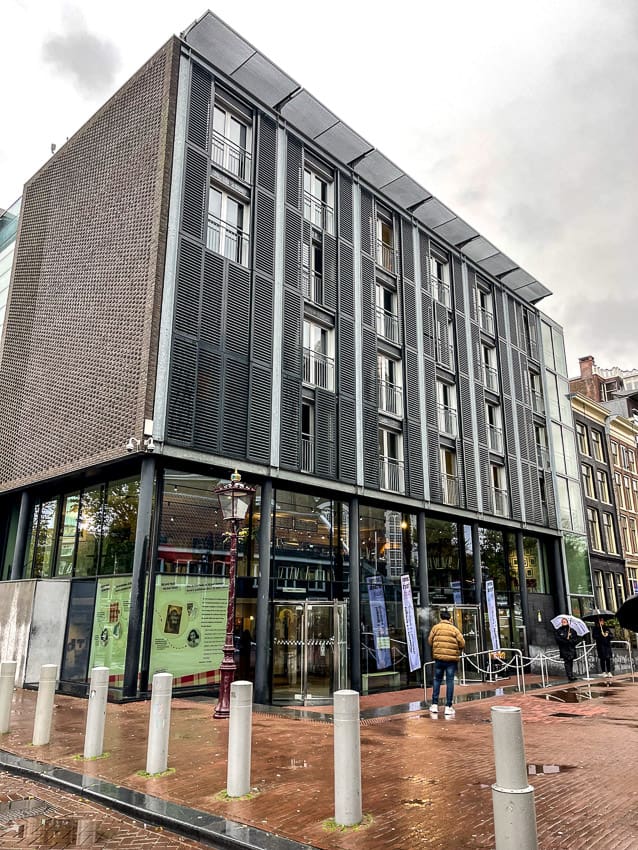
x=78, y=362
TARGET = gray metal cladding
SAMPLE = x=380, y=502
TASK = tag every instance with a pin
x=366, y=222
x=346, y=347
x=188, y=288
x=369, y=365
x=347, y=453
x=292, y=248
x=462, y=354
x=266, y=154
x=262, y=321
x=325, y=425
x=291, y=343
x=414, y=443
x=237, y=335
x=367, y=290
x=371, y=445
x=441, y=320
x=290, y=446
x=195, y=193
x=457, y=286
x=259, y=412
x=294, y=158
x=407, y=250
x=329, y=272
x=409, y=303
x=181, y=406
x=264, y=242
x=427, y=314
x=199, y=112
x=484, y=460
x=346, y=279
x=207, y=400
x=235, y=407
x=431, y=428
x=212, y=298
x=344, y=207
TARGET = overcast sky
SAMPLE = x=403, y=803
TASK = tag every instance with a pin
x=520, y=115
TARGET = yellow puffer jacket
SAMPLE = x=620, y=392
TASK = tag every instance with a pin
x=446, y=641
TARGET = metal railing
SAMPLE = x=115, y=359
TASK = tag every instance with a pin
x=318, y=212
x=490, y=377
x=390, y=398
x=450, y=489
x=307, y=454
x=391, y=474
x=318, y=369
x=538, y=403
x=312, y=284
x=496, y=438
x=486, y=320
x=499, y=501
x=492, y=671
x=226, y=240
x=386, y=256
x=230, y=156
x=581, y=661
x=387, y=324
x=542, y=456
x=447, y=420
x=440, y=291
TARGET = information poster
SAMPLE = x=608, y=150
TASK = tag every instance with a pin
x=410, y=624
x=189, y=626
x=379, y=619
x=492, y=615
x=110, y=625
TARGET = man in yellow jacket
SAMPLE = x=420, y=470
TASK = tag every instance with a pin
x=446, y=642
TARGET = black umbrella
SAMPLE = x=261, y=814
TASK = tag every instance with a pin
x=596, y=613
x=627, y=614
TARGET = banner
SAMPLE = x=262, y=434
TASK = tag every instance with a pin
x=110, y=625
x=379, y=619
x=492, y=614
x=410, y=624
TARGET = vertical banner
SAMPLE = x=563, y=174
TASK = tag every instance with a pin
x=410, y=624
x=492, y=614
x=379, y=619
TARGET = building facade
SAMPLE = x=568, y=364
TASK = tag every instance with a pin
x=217, y=272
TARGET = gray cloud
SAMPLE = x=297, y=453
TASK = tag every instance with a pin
x=85, y=59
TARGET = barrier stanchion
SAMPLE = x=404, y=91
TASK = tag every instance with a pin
x=159, y=725
x=512, y=795
x=7, y=684
x=44, y=705
x=347, y=758
x=96, y=713
x=239, y=739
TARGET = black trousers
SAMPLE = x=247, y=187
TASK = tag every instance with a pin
x=605, y=663
x=569, y=667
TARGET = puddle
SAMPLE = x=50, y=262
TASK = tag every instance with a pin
x=416, y=804
x=574, y=695
x=60, y=832
x=20, y=809
x=538, y=769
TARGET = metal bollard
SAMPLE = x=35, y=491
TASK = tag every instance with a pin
x=512, y=796
x=159, y=725
x=7, y=684
x=239, y=739
x=96, y=713
x=347, y=758
x=44, y=704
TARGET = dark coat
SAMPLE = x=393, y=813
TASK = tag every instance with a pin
x=567, y=639
x=603, y=637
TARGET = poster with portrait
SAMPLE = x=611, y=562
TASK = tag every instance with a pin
x=110, y=625
x=189, y=626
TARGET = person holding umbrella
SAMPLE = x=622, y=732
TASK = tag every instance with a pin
x=566, y=638
x=603, y=635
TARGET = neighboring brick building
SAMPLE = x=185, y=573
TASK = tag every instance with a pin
x=215, y=271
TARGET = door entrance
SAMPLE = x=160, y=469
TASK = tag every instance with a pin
x=309, y=651
x=467, y=620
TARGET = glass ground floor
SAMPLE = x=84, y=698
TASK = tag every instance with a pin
x=330, y=592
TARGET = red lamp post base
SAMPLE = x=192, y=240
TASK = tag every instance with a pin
x=227, y=670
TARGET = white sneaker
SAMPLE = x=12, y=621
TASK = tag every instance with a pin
x=449, y=711
x=434, y=709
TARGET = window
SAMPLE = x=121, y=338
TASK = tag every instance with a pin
x=581, y=436
x=624, y=534
x=227, y=226
x=494, y=428
x=632, y=535
x=618, y=490
x=597, y=445
x=628, y=459
x=390, y=386
x=603, y=486
x=485, y=311
x=611, y=591
x=599, y=590
x=529, y=336
x=588, y=480
x=446, y=401
x=231, y=143
x=610, y=534
x=620, y=588
x=318, y=201
x=387, y=318
x=440, y=280
x=449, y=477
x=385, y=253
x=307, y=437
x=536, y=393
x=445, y=343
x=390, y=461
x=626, y=491
x=312, y=272
x=490, y=373
x=499, y=491
x=593, y=524
x=634, y=484
x=318, y=356
x=542, y=453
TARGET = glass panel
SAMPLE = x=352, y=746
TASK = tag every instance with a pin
x=319, y=651
x=577, y=564
x=120, y=522
x=89, y=532
x=75, y=659
x=287, y=652
x=446, y=583
x=68, y=531
x=43, y=559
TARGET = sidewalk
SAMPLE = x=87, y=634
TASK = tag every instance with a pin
x=426, y=781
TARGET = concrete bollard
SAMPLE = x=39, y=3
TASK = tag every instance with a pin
x=159, y=725
x=512, y=795
x=96, y=713
x=347, y=758
x=239, y=739
x=44, y=705
x=7, y=684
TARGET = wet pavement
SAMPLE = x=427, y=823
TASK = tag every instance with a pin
x=426, y=780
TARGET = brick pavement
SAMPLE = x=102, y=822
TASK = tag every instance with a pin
x=426, y=781
x=69, y=822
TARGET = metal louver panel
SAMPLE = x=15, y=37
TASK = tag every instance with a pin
x=412, y=384
x=409, y=303
x=511, y=305
x=264, y=241
x=415, y=459
x=291, y=343
x=347, y=440
x=212, y=298
x=207, y=404
x=441, y=317
x=427, y=313
x=267, y=154
x=366, y=223
x=292, y=252
x=329, y=271
x=470, y=476
x=371, y=446
x=262, y=306
x=259, y=410
x=424, y=254
x=290, y=431
x=407, y=250
x=346, y=356
x=238, y=310
x=369, y=366
x=325, y=429
x=181, y=396
x=346, y=279
x=463, y=356
x=484, y=460
x=293, y=173
x=195, y=192
x=188, y=287
x=199, y=107
x=235, y=409
x=367, y=291
x=457, y=285
x=345, y=208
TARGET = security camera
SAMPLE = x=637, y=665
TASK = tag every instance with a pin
x=133, y=444
x=149, y=445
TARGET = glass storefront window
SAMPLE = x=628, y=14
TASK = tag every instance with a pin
x=577, y=557
x=42, y=564
x=66, y=539
x=119, y=524
x=444, y=568
x=89, y=531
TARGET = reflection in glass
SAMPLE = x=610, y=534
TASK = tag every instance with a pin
x=119, y=524
x=66, y=540
x=89, y=531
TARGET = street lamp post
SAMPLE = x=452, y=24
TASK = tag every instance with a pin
x=234, y=501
